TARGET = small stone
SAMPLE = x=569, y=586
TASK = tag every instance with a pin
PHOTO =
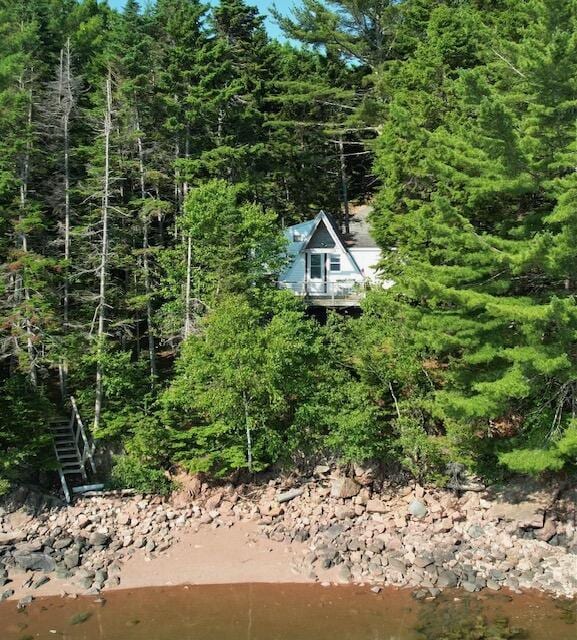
x=376, y=589
x=24, y=602
x=321, y=470
x=475, y=531
x=62, y=543
x=123, y=519
x=376, y=506
x=548, y=531
x=41, y=581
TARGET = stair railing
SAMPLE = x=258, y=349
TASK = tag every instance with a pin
x=85, y=446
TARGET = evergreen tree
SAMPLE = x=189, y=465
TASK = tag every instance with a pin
x=469, y=202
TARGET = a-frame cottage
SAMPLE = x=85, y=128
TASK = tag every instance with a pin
x=330, y=268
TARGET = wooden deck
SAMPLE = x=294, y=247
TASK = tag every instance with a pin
x=335, y=295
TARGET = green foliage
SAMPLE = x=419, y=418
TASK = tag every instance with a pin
x=237, y=386
x=130, y=472
x=25, y=439
x=234, y=246
x=219, y=138
x=477, y=163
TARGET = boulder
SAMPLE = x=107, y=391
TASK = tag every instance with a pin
x=35, y=562
x=72, y=558
x=12, y=537
x=423, y=561
x=447, y=580
x=417, y=509
x=98, y=539
x=344, y=488
x=213, y=502
x=289, y=495
x=548, y=531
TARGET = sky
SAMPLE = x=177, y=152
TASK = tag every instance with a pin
x=263, y=5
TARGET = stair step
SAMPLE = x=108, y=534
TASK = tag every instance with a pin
x=72, y=472
x=66, y=449
x=68, y=457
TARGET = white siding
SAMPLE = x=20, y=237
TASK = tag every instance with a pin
x=367, y=261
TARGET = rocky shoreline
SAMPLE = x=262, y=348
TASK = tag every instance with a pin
x=364, y=530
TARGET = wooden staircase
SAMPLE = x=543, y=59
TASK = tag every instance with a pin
x=74, y=450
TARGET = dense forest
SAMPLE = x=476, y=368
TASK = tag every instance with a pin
x=149, y=160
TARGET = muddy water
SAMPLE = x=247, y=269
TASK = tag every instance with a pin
x=286, y=612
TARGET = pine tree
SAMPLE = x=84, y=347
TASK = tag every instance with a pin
x=469, y=199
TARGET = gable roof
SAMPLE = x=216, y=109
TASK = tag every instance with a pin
x=359, y=236
x=310, y=227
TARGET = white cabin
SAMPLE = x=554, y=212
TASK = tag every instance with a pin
x=328, y=267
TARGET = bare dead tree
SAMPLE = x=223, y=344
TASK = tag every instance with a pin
x=21, y=289
x=145, y=248
x=103, y=269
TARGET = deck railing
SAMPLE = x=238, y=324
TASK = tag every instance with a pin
x=338, y=290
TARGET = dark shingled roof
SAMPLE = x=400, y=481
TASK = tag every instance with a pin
x=359, y=235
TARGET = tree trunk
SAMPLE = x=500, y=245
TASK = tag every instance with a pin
x=103, y=255
x=145, y=263
x=187, y=311
x=24, y=179
x=248, y=433
x=344, y=186
x=66, y=103
x=177, y=192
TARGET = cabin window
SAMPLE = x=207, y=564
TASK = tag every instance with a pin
x=335, y=262
x=297, y=236
x=316, y=266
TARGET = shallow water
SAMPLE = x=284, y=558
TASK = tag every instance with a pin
x=282, y=612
